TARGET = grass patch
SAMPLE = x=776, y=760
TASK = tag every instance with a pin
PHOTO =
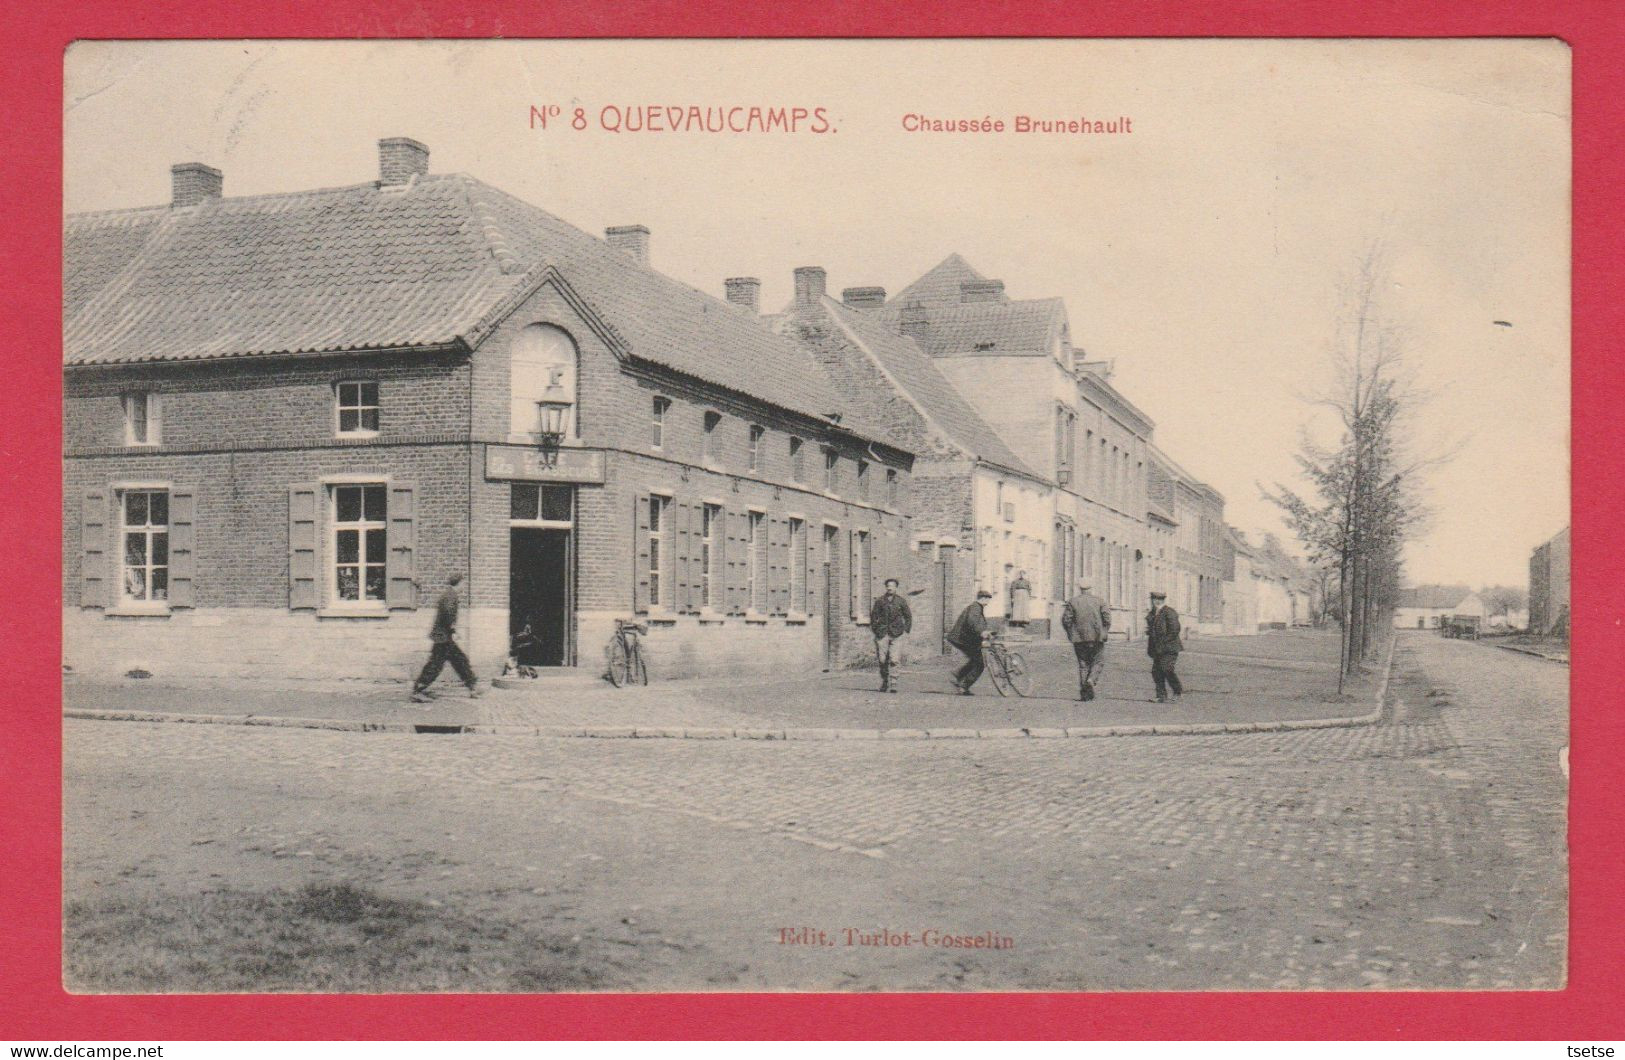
x=321, y=938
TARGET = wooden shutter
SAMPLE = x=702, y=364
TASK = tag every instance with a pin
x=682, y=538
x=400, y=568
x=640, y=550
x=813, y=545
x=302, y=551
x=739, y=567
x=95, y=580
x=872, y=567
x=852, y=571
x=770, y=598
x=182, y=548
x=722, y=555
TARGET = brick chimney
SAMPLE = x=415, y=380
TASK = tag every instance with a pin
x=864, y=297
x=744, y=292
x=400, y=158
x=809, y=285
x=633, y=239
x=192, y=182
x=914, y=321
x=981, y=291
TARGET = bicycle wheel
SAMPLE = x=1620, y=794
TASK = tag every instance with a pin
x=997, y=674
x=1019, y=677
x=620, y=673
x=637, y=673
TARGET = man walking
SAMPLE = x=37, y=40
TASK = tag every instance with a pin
x=968, y=634
x=889, y=619
x=1162, y=644
x=445, y=647
x=1086, y=620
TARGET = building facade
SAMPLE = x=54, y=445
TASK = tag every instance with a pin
x=290, y=417
x=1549, y=587
x=979, y=513
x=1430, y=606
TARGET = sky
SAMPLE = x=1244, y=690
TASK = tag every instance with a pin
x=1206, y=253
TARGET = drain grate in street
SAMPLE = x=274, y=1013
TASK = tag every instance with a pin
x=438, y=729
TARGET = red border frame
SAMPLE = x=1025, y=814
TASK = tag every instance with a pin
x=32, y=1003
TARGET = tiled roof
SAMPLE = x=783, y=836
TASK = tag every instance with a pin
x=1433, y=596
x=939, y=286
x=362, y=268
x=988, y=329
x=912, y=371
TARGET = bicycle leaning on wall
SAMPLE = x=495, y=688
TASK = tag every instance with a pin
x=625, y=650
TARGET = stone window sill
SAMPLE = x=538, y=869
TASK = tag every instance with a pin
x=353, y=612
x=139, y=611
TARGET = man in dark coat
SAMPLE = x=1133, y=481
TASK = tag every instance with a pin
x=1162, y=644
x=968, y=634
x=889, y=619
x=444, y=636
x=1086, y=620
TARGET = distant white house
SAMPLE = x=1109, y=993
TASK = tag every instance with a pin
x=1424, y=607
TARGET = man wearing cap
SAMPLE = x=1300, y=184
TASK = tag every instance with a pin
x=445, y=649
x=1162, y=644
x=889, y=619
x=968, y=634
x=1086, y=620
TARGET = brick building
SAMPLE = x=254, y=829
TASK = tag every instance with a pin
x=1549, y=587
x=289, y=417
x=979, y=512
x=1014, y=363
x=1201, y=560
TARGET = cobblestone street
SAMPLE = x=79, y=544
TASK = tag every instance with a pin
x=1425, y=852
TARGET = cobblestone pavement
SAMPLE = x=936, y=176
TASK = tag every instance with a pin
x=1424, y=852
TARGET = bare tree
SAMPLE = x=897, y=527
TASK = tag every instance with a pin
x=1360, y=498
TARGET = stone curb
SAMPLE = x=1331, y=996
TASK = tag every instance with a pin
x=629, y=732
x=1533, y=653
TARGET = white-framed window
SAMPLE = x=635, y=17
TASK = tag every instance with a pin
x=891, y=486
x=659, y=532
x=708, y=445
x=542, y=367
x=358, y=543
x=657, y=437
x=756, y=561
x=144, y=546
x=142, y=420
x=357, y=407
x=798, y=566
x=798, y=471
x=863, y=480
x=755, y=450
x=711, y=573
x=832, y=469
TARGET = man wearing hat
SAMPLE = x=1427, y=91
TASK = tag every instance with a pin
x=968, y=634
x=1086, y=620
x=889, y=619
x=1162, y=644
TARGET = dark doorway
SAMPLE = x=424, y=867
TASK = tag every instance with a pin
x=539, y=594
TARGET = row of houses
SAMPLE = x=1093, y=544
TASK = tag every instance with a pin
x=289, y=417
